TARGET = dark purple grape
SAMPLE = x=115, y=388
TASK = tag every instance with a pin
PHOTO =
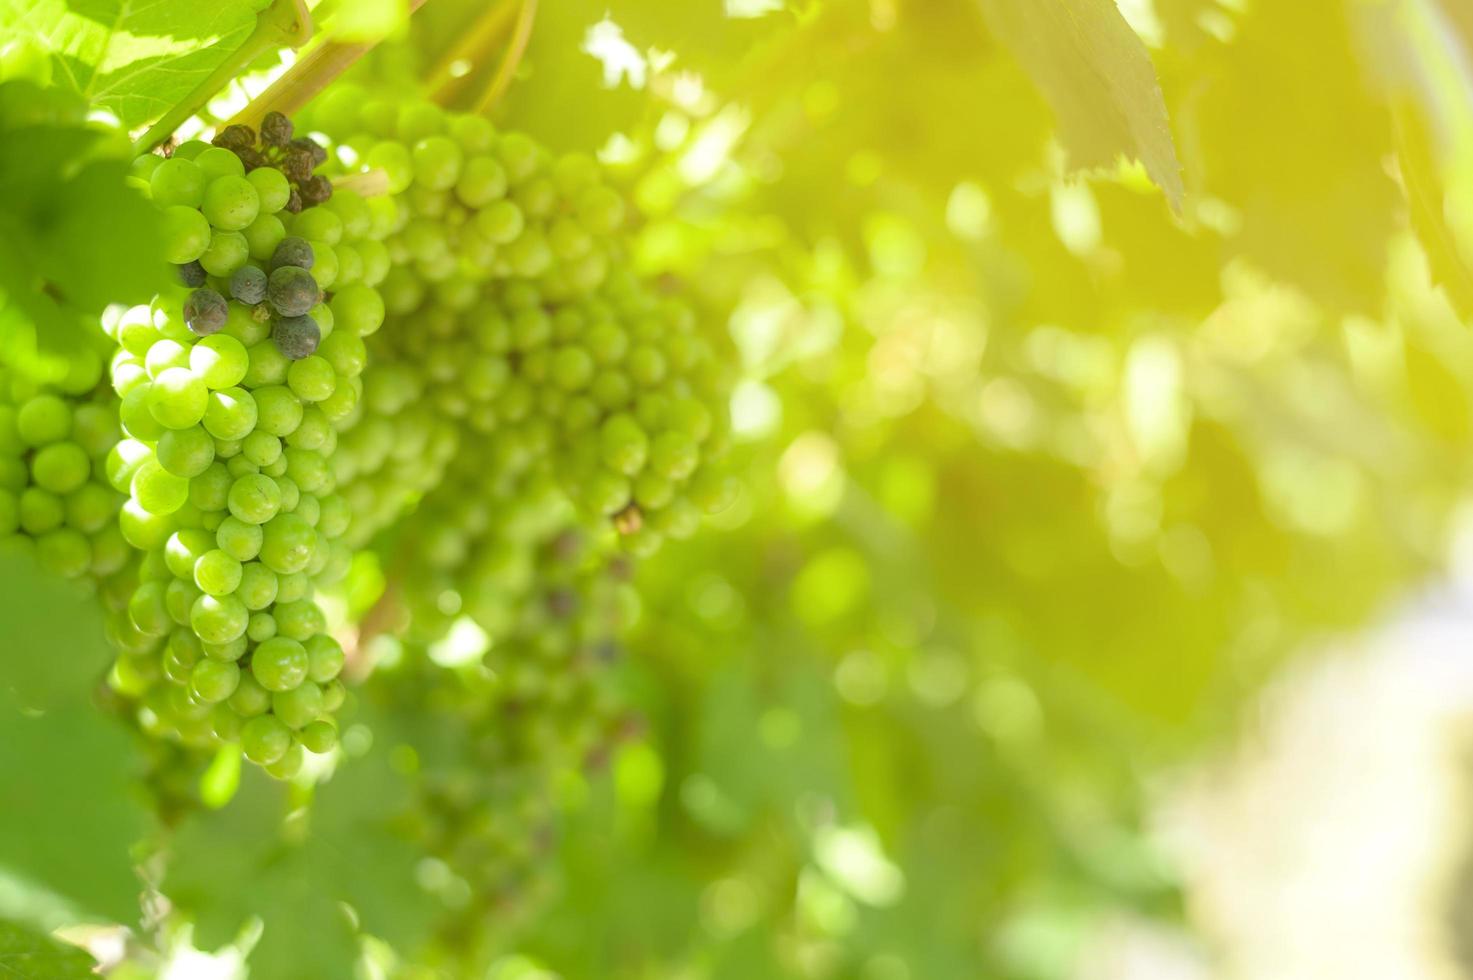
x=205, y=311
x=248, y=285
x=297, y=165
x=317, y=190
x=192, y=274
x=562, y=603
x=292, y=291
x=292, y=250
x=296, y=336
x=235, y=138
x=276, y=129
x=251, y=157
x=312, y=147
x=294, y=203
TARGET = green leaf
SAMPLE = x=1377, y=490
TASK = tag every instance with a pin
x=1098, y=78
x=74, y=237
x=1289, y=133
x=1422, y=178
x=68, y=816
x=26, y=955
x=295, y=871
x=136, y=59
x=55, y=648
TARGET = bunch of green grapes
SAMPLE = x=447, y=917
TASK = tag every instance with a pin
x=472, y=547
x=479, y=204
x=230, y=408
x=541, y=702
x=54, y=493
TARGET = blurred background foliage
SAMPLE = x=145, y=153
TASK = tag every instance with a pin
x=1094, y=360
x=1047, y=471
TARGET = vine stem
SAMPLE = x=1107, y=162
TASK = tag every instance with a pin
x=303, y=80
x=284, y=23
x=487, y=30
x=380, y=618
x=520, y=36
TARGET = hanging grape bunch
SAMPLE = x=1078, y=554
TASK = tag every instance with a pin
x=231, y=388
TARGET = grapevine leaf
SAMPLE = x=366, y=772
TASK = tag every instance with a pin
x=67, y=814
x=296, y=874
x=1096, y=74
x=54, y=647
x=1421, y=176
x=1295, y=140
x=26, y=955
x=73, y=237
x=134, y=57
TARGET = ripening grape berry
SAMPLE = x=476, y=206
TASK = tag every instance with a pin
x=295, y=337
x=248, y=284
x=292, y=251
x=192, y=273
x=205, y=311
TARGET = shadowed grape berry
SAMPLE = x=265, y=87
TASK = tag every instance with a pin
x=205, y=311
x=276, y=129
x=192, y=274
x=296, y=336
x=292, y=291
x=248, y=285
x=317, y=190
x=292, y=251
x=235, y=138
x=313, y=148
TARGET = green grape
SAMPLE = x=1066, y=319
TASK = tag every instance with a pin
x=289, y=764
x=265, y=740
x=319, y=737
x=217, y=573
x=218, y=619
x=299, y=706
x=177, y=182
x=220, y=361
x=230, y=414
x=216, y=161
x=230, y=202
x=272, y=190
x=42, y=420
x=254, y=498
x=177, y=398
x=279, y=410
x=60, y=467
x=259, y=586
x=213, y=681
x=288, y=544
x=279, y=664
x=186, y=234
x=186, y=452
x=227, y=252
x=311, y=378
x=157, y=490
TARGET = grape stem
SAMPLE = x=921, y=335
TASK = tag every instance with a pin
x=486, y=32
x=285, y=23
x=520, y=36
x=369, y=183
x=380, y=618
x=303, y=80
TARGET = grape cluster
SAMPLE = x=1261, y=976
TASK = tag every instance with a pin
x=540, y=702
x=230, y=408
x=520, y=335
x=54, y=494
x=276, y=146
